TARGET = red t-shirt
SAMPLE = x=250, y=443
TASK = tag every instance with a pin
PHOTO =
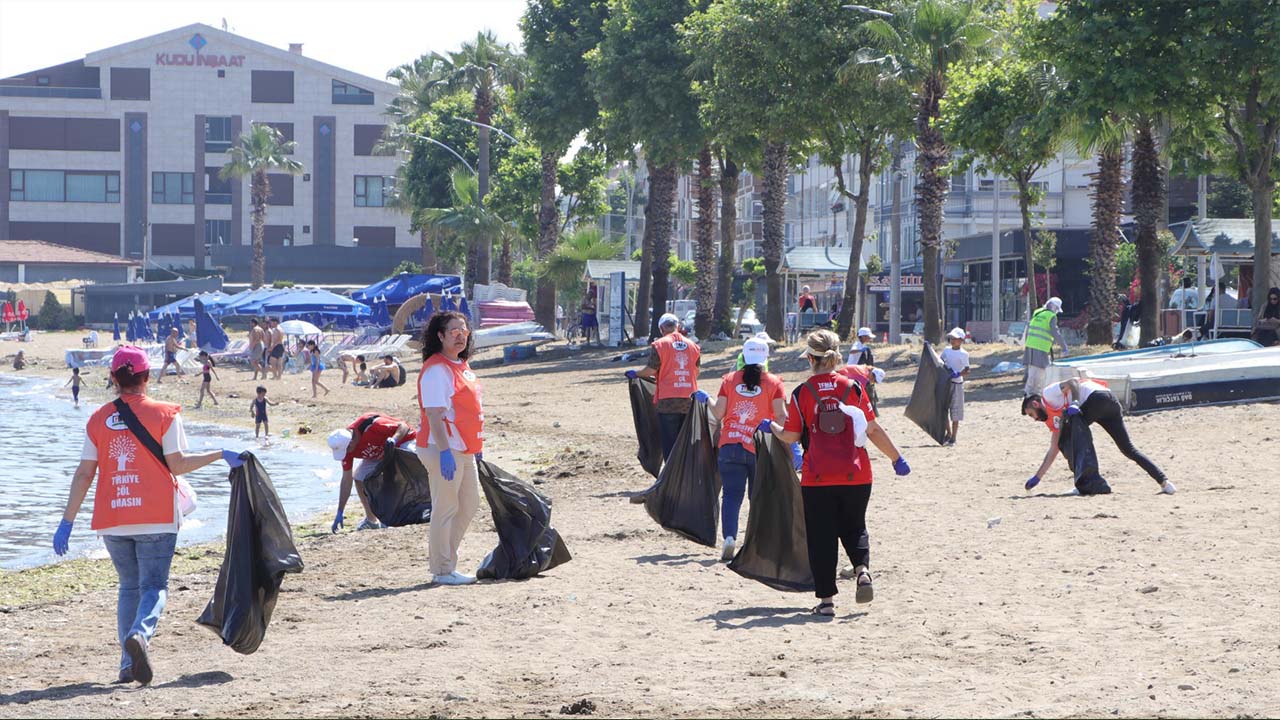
x=373, y=439
x=744, y=409
x=802, y=412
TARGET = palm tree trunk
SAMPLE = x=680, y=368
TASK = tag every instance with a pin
x=1263, y=197
x=705, y=231
x=548, y=236
x=504, y=261
x=931, y=193
x=641, y=317
x=728, y=235
x=849, y=306
x=1028, y=240
x=428, y=250
x=661, y=211
x=261, y=191
x=484, y=246
x=775, y=201
x=1108, y=202
x=1148, y=204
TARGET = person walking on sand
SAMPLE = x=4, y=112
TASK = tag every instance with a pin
x=368, y=438
x=171, y=347
x=311, y=358
x=746, y=397
x=275, y=339
x=828, y=415
x=450, y=439
x=1093, y=401
x=674, y=363
x=956, y=360
x=135, y=446
x=590, y=320
x=860, y=353
x=1042, y=332
x=208, y=373
x=258, y=410
x=74, y=382
x=257, y=346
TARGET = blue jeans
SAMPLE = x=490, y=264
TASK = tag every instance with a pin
x=142, y=564
x=669, y=424
x=737, y=476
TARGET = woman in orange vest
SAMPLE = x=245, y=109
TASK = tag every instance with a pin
x=135, y=506
x=450, y=439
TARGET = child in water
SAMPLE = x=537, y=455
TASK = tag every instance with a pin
x=74, y=382
x=258, y=410
x=208, y=373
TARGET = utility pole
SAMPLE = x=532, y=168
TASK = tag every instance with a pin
x=895, y=267
x=995, y=256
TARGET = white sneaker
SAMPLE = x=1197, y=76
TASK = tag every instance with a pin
x=453, y=578
x=366, y=525
x=462, y=579
x=1167, y=488
x=1074, y=491
x=726, y=554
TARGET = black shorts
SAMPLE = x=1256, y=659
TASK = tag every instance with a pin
x=170, y=357
x=277, y=352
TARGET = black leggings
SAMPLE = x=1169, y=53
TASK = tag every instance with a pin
x=831, y=513
x=1103, y=409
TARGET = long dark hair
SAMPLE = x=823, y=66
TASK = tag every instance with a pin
x=1270, y=311
x=751, y=376
x=431, y=335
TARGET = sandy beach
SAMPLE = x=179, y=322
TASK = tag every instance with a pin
x=989, y=601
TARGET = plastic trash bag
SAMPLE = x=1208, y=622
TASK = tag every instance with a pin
x=1075, y=440
x=645, y=416
x=398, y=490
x=774, y=549
x=260, y=551
x=1006, y=366
x=931, y=396
x=686, y=497
x=527, y=544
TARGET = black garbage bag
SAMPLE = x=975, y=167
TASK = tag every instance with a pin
x=775, y=550
x=931, y=396
x=1075, y=440
x=686, y=497
x=645, y=415
x=259, y=552
x=398, y=489
x=527, y=544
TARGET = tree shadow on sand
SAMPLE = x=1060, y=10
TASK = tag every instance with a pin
x=752, y=617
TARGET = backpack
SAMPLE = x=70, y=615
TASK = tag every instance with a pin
x=828, y=437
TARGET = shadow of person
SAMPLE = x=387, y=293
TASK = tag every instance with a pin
x=61, y=692
x=378, y=592
x=746, y=618
x=674, y=560
x=200, y=679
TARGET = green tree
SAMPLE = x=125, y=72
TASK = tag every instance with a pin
x=1229, y=198
x=1006, y=114
x=53, y=316
x=922, y=43
x=466, y=217
x=254, y=154
x=563, y=268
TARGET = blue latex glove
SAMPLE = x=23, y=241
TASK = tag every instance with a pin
x=1073, y=410
x=232, y=457
x=901, y=467
x=479, y=457
x=797, y=456
x=62, y=538
x=954, y=374
x=1034, y=481
x=766, y=426
x=631, y=375
x=337, y=523
x=448, y=466
x=700, y=396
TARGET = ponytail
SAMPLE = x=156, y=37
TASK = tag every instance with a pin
x=751, y=376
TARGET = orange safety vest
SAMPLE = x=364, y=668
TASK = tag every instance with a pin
x=745, y=409
x=677, y=367
x=468, y=415
x=134, y=487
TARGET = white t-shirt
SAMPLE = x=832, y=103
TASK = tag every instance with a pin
x=1056, y=398
x=174, y=440
x=435, y=388
x=1185, y=299
x=956, y=360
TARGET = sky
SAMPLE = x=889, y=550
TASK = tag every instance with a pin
x=366, y=36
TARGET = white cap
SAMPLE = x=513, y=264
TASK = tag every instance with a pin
x=763, y=336
x=755, y=351
x=956, y=333
x=878, y=374
x=668, y=319
x=338, y=441
x=1054, y=304
x=865, y=332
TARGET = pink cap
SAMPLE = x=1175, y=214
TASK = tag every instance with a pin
x=131, y=355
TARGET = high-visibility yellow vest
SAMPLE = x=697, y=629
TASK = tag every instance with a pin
x=1040, y=332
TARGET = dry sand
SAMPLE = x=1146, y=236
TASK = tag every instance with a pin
x=1133, y=604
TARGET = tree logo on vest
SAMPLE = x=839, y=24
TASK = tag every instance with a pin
x=743, y=412
x=124, y=451
x=744, y=391
x=682, y=362
x=113, y=422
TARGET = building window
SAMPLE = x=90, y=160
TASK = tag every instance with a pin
x=217, y=232
x=216, y=190
x=64, y=186
x=344, y=94
x=217, y=134
x=372, y=190
x=172, y=188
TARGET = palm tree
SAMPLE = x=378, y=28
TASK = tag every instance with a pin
x=419, y=88
x=256, y=152
x=563, y=268
x=1105, y=136
x=465, y=218
x=919, y=44
x=705, y=233
x=489, y=70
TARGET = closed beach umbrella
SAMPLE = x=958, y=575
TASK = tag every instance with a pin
x=131, y=329
x=464, y=309
x=115, y=327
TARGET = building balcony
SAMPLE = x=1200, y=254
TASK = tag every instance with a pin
x=50, y=92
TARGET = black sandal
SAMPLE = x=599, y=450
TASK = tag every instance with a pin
x=826, y=609
x=866, y=593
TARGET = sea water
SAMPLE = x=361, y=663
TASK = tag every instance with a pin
x=42, y=434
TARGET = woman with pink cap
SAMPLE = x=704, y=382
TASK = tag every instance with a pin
x=136, y=447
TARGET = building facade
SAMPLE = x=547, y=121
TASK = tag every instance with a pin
x=120, y=152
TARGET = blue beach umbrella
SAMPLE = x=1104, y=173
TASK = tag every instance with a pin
x=163, y=325
x=447, y=305
x=131, y=329
x=465, y=309
x=209, y=334
x=177, y=322
x=423, y=316
x=115, y=327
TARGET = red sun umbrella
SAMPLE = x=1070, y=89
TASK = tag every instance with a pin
x=8, y=313
x=22, y=311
